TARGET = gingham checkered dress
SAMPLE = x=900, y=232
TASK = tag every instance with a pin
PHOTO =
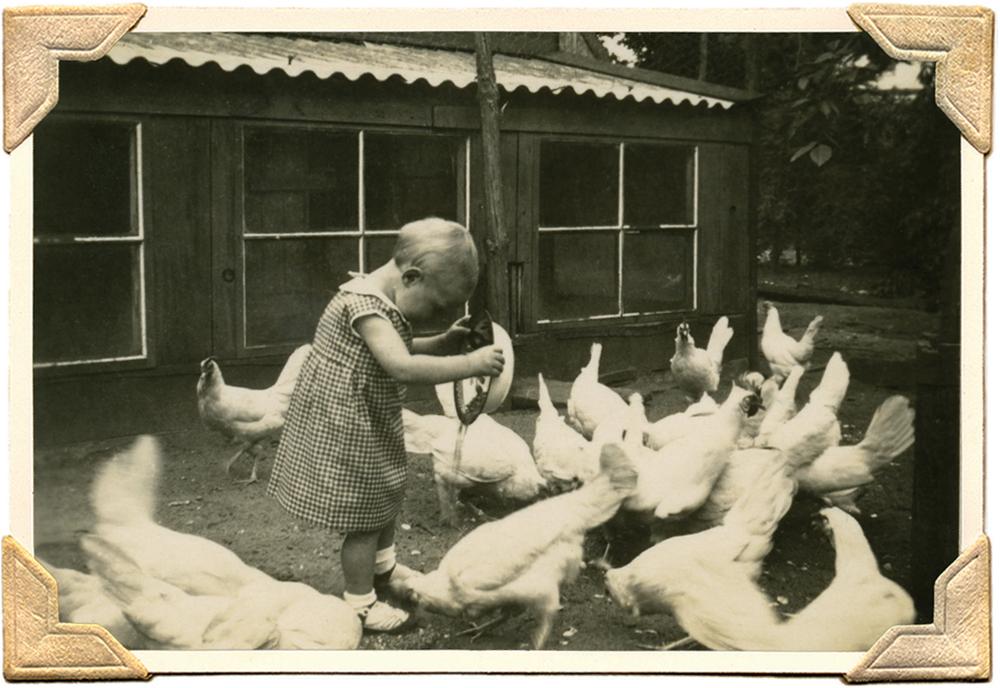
x=341, y=461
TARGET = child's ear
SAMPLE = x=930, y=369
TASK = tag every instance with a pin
x=411, y=276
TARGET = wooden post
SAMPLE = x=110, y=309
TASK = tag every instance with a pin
x=494, y=281
x=937, y=444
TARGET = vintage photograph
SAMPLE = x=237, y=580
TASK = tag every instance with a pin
x=586, y=341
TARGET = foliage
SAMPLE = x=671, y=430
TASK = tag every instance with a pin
x=849, y=175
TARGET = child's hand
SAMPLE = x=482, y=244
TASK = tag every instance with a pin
x=487, y=360
x=458, y=331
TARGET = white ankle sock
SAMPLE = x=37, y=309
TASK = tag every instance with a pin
x=385, y=559
x=360, y=601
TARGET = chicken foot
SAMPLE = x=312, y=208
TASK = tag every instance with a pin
x=447, y=503
x=476, y=630
x=251, y=449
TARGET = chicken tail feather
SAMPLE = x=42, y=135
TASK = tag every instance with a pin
x=290, y=372
x=810, y=334
x=890, y=431
x=831, y=389
x=717, y=341
x=594, y=364
x=545, y=404
x=124, y=491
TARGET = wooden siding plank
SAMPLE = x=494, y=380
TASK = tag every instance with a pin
x=735, y=241
x=711, y=226
x=227, y=163
x=177, y=196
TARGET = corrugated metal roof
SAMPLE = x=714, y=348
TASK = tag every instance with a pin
x=295, y=56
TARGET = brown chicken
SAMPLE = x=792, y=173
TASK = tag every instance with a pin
x=248, y=416
x=524, y=558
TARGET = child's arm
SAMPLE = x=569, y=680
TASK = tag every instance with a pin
x=391, y=353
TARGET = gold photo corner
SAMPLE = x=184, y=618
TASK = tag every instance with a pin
x=959, y=40
x=37, y=646
x=956, y=646
x=35, y=39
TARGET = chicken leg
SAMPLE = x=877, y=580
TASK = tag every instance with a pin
x=545, y=611
x=251, y=449
x=476, y=630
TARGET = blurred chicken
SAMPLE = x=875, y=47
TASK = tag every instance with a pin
x=815, y=428
x=839, y=472
x=782, y=351
x=490, y=455
x=590, y=402
x=181, y=591
x=695, y=370
x=563, y=456
x=676, y=425
x=707, y=580
x=524, y=558
x=246, y=415
x=782, y=408
x=677, y=478
x=83, y=599
x=855, y=609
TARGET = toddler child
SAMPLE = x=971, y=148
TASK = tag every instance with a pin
x=341, y=460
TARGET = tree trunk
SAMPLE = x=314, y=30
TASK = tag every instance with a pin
x=493, y=283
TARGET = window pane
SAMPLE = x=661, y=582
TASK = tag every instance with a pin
x=657, y=270
x=577, y=274
x=378, y=250
x=578, y=185
x=289, y=283
x=300, y=180
x=659, y=185
x=410, y=177
x=83, y=179
x=86, y=302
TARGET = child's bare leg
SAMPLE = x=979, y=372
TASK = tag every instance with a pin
x=357, y=556
x=389, y=574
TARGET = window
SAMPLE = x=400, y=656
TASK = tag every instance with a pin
x=617, y=229
x=319, y=203
x=89, y=286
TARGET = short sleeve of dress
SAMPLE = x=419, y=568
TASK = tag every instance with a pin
x=360, y=305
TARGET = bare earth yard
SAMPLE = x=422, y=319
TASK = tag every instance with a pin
x=198, y=497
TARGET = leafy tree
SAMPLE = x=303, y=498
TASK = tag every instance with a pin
x=850, y=176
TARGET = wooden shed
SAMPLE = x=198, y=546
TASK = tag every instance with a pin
x=200, y=194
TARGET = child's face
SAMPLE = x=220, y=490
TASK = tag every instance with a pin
x=426, y=296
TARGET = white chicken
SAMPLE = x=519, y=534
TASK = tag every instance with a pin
x=695, y=370
x=524, y=558
x=815, y=428
x=782, y=407
x=490, y=455
x=782, y=351
x=590, y=402
x=83, y=599
x=563, y=456
x=182, y=591
x=248, y=416
x=678, y=477
x=839, y=472
x=707, y=579
x=676, y=425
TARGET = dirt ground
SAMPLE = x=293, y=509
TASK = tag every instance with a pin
x=198, y=497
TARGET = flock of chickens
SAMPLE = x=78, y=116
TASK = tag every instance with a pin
x=710, y=482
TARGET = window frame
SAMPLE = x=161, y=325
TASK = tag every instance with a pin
x=240, y=234
x=622, y=316
x=137, y=210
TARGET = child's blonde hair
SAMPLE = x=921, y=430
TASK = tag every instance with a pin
x=435, y=245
